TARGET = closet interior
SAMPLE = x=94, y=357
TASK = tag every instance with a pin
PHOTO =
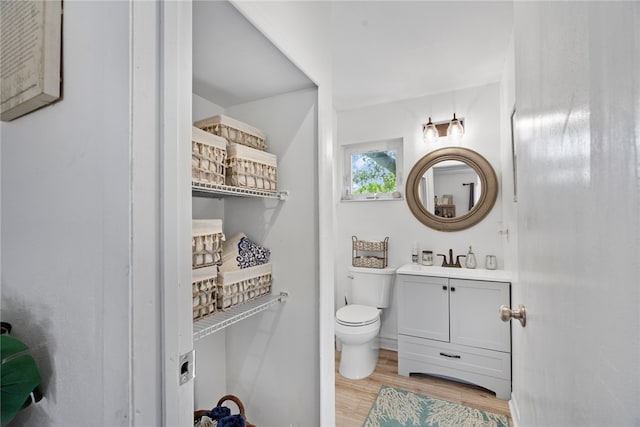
x=264, y=351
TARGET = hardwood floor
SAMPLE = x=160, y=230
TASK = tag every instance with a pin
x=355, y=397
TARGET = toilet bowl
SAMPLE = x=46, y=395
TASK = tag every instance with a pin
x=357, y=328
x=357, y=325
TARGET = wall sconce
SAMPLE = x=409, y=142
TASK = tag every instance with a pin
x=453, y=129
x=430, y=132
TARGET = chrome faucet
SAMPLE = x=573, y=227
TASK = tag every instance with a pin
x=450, y=263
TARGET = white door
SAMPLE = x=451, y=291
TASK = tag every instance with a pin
x=577, y=69
x=423, y=307
x=474, y=306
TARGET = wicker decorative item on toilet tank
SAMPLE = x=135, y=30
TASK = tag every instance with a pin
x=369, y=254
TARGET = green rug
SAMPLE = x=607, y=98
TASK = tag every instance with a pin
x=394, y=407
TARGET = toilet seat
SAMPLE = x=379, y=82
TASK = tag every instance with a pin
x=357, y=315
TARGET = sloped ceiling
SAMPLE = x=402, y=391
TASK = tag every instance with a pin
x=233, y=62
x=382, y=51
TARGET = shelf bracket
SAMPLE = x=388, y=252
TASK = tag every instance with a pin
x=283, y=195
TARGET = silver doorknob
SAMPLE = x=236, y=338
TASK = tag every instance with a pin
x=507, y=314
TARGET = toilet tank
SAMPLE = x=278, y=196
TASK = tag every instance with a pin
x=371, y=286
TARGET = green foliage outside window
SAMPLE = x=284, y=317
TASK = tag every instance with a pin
x=373, y=172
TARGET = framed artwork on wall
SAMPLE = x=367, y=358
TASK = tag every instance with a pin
x=31, y=44
x=514, y=155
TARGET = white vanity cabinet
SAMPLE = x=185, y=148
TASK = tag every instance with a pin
x=449, y=325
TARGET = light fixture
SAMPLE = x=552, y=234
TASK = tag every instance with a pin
x=455, y=129
x=430, y=132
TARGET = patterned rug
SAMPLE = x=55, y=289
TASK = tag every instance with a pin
x=394, y=407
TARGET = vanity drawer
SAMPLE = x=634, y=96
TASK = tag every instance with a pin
x=429, y=356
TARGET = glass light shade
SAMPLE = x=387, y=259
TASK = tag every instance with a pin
x=430, y=132
x=455, y=129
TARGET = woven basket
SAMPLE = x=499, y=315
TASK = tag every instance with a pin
x=250, y=168
x=206, y=242
x=240, y=286
x=369, y=254
x=208, y=155
x=233, y=131
x=369, y=262
x=229, y=397
x=204, y=291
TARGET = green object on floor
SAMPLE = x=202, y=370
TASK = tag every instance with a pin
x=394, y=407
x=19, y=377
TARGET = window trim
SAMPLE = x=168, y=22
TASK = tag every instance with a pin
x=390, y=144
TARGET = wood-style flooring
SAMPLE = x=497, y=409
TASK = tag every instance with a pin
x=355, y=397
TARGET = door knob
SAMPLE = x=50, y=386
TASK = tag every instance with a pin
x=507, y=314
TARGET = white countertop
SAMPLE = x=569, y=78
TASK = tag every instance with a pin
x=455, y=273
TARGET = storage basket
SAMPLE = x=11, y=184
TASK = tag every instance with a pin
x=250, y=168
x=233, y=131
x=206, y=242
x=229, y=397
x=369, y=254
x=204, y=291
x=208, y=155
x=240, y=286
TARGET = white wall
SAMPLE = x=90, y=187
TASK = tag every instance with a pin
x=578, y=100
x=65, y=226
x=301, y=31
x=281, y=346
x=374, y=220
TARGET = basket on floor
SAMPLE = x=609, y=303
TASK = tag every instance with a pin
x=200, y=413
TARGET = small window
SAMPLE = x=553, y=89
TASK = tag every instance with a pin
x=371, y=170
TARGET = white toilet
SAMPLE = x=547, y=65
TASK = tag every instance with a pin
x=358, y=324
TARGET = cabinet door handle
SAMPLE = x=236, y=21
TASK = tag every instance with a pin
x=453, y=289
x=444, y=287
x=452, y=356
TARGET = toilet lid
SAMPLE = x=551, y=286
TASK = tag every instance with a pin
x=357, y=315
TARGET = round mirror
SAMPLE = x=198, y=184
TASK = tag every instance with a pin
x=451, y=189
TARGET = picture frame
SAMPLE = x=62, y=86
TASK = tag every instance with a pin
x=514, y=154
x=31, y=68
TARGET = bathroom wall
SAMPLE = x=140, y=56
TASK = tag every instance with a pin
x=373, y=220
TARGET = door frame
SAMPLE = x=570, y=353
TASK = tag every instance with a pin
x=161, y=327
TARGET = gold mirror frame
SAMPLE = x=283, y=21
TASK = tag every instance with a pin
x=488, y=181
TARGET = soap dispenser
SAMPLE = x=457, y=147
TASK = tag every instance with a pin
x=471, y=259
